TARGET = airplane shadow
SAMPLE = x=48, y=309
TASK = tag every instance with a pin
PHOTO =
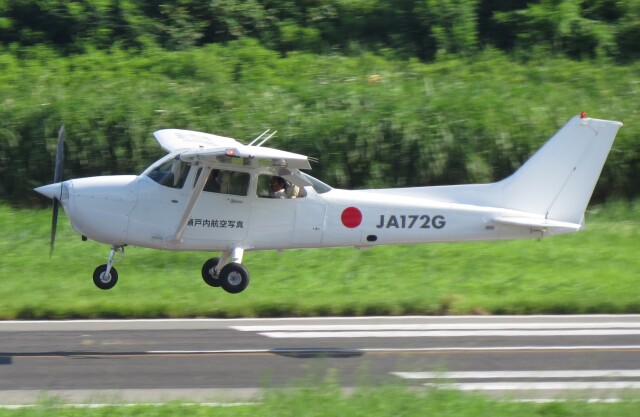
x=311, y=353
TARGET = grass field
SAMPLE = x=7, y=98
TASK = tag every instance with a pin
x=594, y=271
x=328, y=401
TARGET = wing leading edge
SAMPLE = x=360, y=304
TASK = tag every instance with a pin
x=208, y=147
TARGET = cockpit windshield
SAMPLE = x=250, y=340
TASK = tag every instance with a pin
x=319, y=186
x=172, y=173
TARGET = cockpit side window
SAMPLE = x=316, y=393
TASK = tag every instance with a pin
x=172, y=173
x=272, y=186
x=228, y=182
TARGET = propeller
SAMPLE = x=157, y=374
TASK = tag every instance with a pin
x=57, y=178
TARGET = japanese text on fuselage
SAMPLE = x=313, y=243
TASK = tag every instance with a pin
x=222, y=224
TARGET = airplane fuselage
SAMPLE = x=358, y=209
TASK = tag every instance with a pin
x=135, y=210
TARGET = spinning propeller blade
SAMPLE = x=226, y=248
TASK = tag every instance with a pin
x=57, y=178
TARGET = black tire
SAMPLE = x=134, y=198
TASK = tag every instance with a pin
x=104, y=281
x=208, y=272
x=234, y=278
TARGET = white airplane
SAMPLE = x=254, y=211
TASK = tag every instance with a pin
x=212, y=193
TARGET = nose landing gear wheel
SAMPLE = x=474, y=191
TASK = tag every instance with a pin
x=234, y=278
x=104, y=280
x=209, y=272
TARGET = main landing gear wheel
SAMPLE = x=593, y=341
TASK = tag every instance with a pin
x=234, y=278
x=104, y=280
x=209, y=272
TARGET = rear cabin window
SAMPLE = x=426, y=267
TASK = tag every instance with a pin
x=228, y=182
x=172, y=173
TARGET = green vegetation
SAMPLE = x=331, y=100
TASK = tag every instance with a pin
x=407, y=28
x=328, y=401
x=373, y=122
x=417, y=92
x=594, y=271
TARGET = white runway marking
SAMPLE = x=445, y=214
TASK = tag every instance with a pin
x=502, y=348
x=619, y=373
x=448, y=333
x=553, y=386
x=471, y=329
x=436, y=326
x=601, y=380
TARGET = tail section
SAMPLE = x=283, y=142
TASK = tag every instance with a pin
x=559, y=179
x=554, y=185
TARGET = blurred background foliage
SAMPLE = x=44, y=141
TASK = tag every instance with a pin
x=401, y=93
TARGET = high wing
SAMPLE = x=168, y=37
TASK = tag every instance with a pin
x=208, y=147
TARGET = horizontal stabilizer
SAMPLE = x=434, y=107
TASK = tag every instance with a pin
x=537, y=223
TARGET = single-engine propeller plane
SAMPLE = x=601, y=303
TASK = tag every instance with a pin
x=212, y=193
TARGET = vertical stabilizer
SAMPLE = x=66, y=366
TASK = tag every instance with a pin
x=558, y=180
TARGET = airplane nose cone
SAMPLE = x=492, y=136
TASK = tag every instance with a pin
x=51, y=190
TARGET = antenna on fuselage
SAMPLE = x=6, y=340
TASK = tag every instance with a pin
x=267, y=138
x=263, y=140
x=258, y=138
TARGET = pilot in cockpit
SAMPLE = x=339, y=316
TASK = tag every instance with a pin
x=278, y=188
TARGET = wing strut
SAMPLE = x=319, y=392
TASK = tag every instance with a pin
x=195, y=195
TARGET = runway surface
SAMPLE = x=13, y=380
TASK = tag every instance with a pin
x=528, y=357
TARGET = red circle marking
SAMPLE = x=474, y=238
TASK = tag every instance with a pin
x=351, y=217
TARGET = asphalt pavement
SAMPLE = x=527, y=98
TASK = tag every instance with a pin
x=211, y=360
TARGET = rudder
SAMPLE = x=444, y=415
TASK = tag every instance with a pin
x=559, y=179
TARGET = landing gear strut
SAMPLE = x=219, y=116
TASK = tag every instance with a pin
x=227, y=272
x=105, y=276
